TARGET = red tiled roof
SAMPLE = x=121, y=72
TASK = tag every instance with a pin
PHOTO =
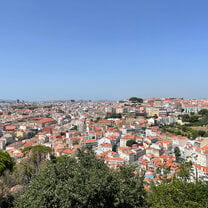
x=90, y=140
x=46, y=120
x=68, y=151
x=10, y=128
x=106, y=145
x=128, y=137
x=104, y=121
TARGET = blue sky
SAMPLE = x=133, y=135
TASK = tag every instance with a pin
x=103, y=49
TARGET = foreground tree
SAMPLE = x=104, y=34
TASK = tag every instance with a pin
x=28, y=168
x=84, y=181
x=6, y=165
x=37, y=155
x=179, y=193
x=6, y=162
x=13, y=178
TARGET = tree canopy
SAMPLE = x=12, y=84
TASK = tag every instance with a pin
x=6, y=162
x=84, y=181
x=203, y=112
x=131, y=142
x=177, y=153
x=136, y=100
x=178, y=193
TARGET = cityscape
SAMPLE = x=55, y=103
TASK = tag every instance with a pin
x=103, y=104
x=156, y=135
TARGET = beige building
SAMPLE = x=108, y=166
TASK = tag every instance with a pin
x=152, y=112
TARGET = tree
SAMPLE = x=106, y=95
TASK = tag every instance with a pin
x=113, y=115
x=179, y=194
x=6, y=162
x=83, y=181
x=131, y=142
x=136, y=100
x=201, y=133
x=185, y=171
x=37, y=154
x=25, y=170
x=185, y=118
x=74, y=128
x=203, y=112
x=63, y=134
x=30, y=134
x=6, y=201
x=177, y=153
x=155, y=116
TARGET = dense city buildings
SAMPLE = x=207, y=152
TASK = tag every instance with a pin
x=156, y=135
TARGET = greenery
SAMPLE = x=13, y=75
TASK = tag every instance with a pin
x=36, y=156
x=83, y=182
x=136, y=100
x=48, y=106
x=200, y=119
x=22, y=173
x=179, y=194
x=6, y=162
x=179, y=191
x=184, y=130
x=113, y=115
x=86, y=181
x=74, y=128
x=32, y=107
x=177, y=153
x=63, y=133
x=131, y=142
x=203, y=112
x=6, y=201
x=30, y=134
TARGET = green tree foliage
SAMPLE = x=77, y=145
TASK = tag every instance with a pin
x=36, y=155
x=113, y=115
x=178, y=193
x=30, y=135
x=177, y=153
x=23, y=172
x=184, y=130
x=131, y=142
x=83, y=181
x=6, y=162
x=63, y=134
x=6, y=201
x=185, y=171
x=29, y=167
x=136, y=100
x=6, y=165
x=199, y=119
x=203, y=112
x=74, y=128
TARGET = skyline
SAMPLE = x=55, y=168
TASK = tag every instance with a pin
x=21, y=101
x=103, y=50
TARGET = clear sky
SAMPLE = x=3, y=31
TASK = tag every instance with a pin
x=103, y=49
